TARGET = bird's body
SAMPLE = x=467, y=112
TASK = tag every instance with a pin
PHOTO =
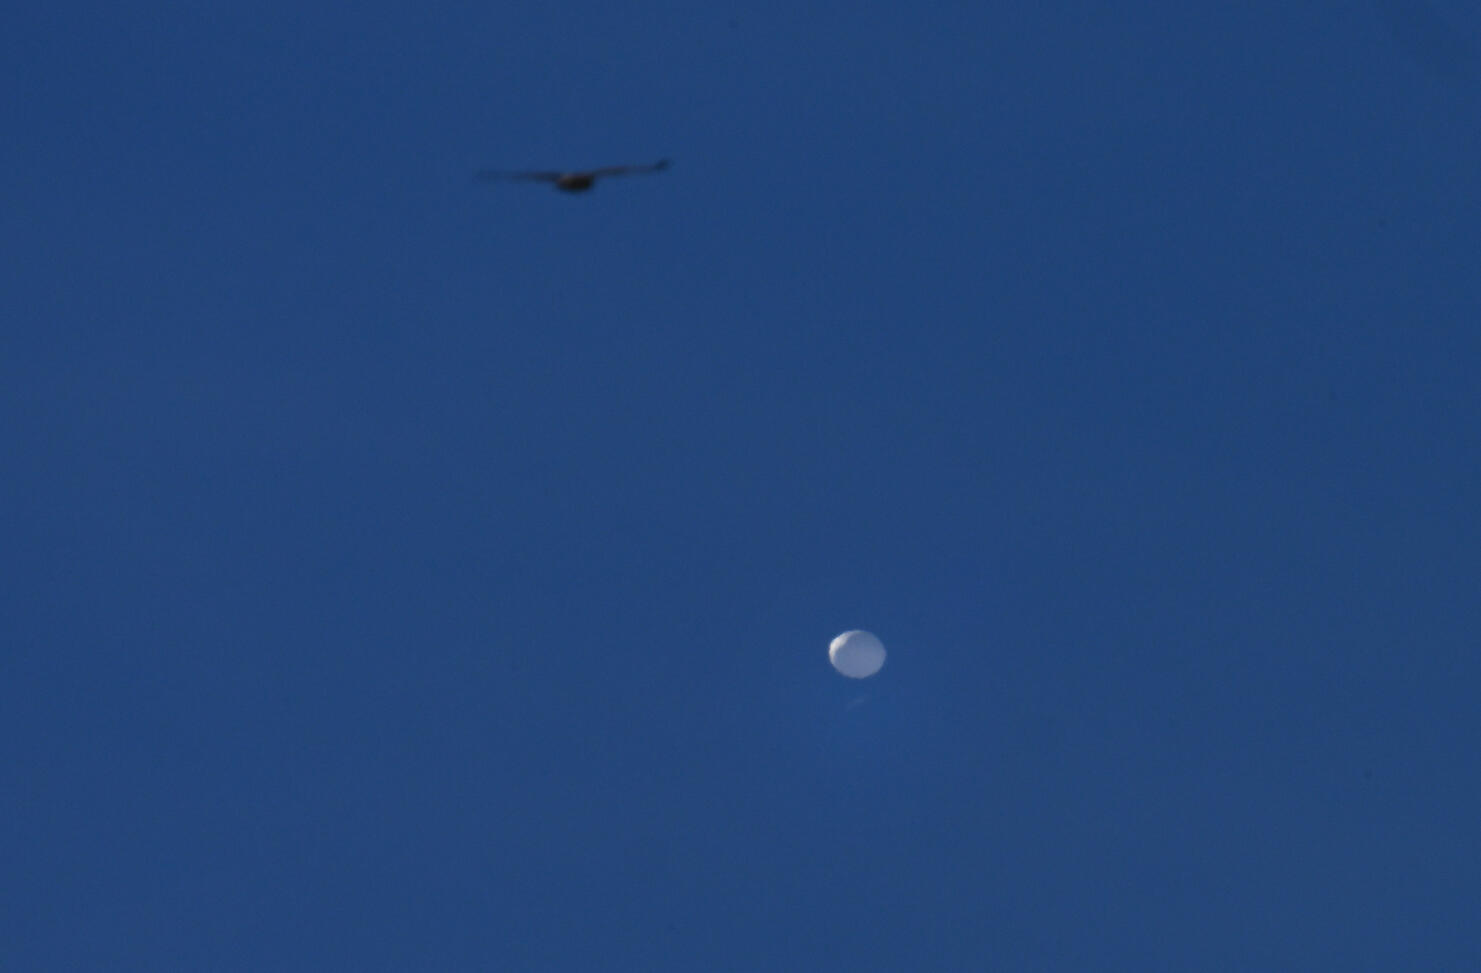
x=575, y=181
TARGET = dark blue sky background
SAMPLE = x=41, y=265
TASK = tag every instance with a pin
x=404, y=573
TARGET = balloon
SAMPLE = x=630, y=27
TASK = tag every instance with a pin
x=856, y=654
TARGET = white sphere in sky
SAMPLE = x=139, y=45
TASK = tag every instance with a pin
x=856, y=654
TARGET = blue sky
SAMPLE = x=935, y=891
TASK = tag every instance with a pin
x=400, y=572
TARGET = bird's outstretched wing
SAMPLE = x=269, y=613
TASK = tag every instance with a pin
x=658, y=166
x=574, y=181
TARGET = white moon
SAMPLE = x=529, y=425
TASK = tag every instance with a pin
x=856, y=654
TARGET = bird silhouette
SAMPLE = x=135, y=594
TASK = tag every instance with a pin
x=573, y=181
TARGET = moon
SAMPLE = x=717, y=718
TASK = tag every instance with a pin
x=856, y=654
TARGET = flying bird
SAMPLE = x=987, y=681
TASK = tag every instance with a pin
x=577, y=181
